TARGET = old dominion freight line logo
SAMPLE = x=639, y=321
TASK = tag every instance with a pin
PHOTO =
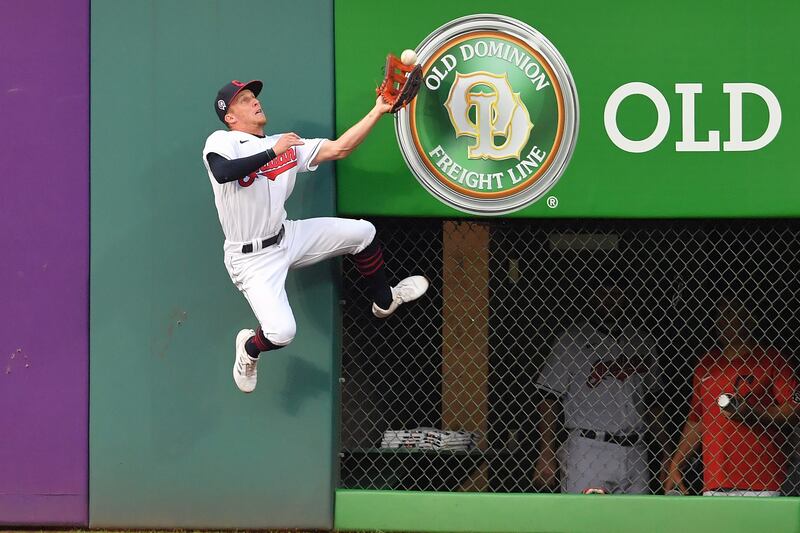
x=494, y=125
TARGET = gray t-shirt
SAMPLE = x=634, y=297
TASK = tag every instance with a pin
x=603, y=377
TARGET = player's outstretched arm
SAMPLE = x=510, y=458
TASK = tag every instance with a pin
x=344, y=145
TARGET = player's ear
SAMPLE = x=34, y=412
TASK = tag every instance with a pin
x=229, y=119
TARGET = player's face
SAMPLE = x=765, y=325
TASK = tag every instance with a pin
x=245, y=111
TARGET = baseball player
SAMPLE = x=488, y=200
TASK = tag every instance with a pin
x=252, y=175
x=604, y=373
x=743, y=395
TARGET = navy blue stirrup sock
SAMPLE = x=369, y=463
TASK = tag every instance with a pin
x=370, y=264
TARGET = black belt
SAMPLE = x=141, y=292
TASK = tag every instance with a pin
x=275, y=239
x=621, y=440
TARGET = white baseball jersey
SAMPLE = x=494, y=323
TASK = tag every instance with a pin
x=602, y=377
x=253, y=207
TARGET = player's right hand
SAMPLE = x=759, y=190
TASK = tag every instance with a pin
x=674, y=480
x=286, y=141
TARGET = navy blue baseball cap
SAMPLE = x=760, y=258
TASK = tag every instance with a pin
x=229, y=91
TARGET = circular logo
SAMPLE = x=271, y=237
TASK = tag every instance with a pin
x=494, y=124
x=221, y=104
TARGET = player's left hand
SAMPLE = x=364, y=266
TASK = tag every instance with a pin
x=400, y=83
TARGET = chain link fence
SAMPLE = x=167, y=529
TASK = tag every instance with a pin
x=576, y=355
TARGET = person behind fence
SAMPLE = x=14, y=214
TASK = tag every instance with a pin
x=604, y=372
x=743, y=396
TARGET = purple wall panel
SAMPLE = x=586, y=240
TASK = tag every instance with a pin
x=44, y=216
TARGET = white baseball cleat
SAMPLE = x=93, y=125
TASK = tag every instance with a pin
x=406, y=291
x=245, y=372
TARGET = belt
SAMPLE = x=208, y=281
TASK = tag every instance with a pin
x=621, y=440
x=269, y=241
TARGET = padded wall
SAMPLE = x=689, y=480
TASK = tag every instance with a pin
x=173, y=441
x=44, y=161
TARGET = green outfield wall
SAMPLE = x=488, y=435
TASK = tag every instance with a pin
x=607, y=46
x=173, y=442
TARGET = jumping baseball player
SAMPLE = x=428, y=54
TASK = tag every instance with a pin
x=604, y=373
x=744, y=395
x=252, y=175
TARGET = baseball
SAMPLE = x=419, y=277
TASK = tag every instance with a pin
x=724, y=400
x=408, y=57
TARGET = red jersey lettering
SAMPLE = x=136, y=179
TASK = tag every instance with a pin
x=273, y=169
x=618, y=369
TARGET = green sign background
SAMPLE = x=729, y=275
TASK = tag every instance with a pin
x=605, y=46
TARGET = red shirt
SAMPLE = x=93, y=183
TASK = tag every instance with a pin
x=736, y=455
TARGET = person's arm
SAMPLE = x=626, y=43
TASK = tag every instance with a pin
x=657, y=418
x=760, y=416
x=784, y=409
x=553, y=383
x=658, y=423
x=690, y=440
x=344, y=145
x=546, y=467
x=785, y=413
x=691, y=436
x=226, y=170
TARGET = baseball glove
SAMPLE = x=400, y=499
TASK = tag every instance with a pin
x=400, y=83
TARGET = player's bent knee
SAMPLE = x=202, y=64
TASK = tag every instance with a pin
x=282, y=336
x=280, y=340
x=366, y=232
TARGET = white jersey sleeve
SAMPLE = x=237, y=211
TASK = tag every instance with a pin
x=306, y=154
x=556, y=374
x=220, y=142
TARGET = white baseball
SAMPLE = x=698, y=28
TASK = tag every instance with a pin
x=408, y=57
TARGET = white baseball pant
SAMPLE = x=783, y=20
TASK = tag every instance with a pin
x=589, y=463
x=261, y=275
